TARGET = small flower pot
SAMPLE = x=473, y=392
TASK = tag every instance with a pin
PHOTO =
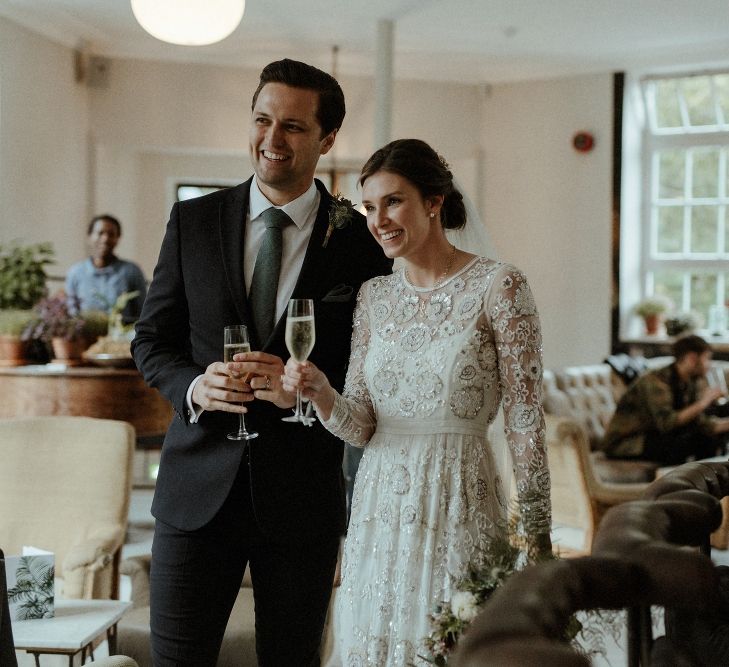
x=12, y=351
x=652, y=324
x=67, y=351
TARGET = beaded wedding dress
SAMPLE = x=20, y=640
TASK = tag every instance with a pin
x=428, y=372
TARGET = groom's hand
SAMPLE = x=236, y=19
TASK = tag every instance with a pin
x=264, y=372
x=222, y=387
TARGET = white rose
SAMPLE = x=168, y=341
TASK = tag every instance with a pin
x=464, y=606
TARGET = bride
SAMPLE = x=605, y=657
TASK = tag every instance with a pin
x=437, y=347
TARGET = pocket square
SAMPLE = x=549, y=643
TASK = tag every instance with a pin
x=341, y=292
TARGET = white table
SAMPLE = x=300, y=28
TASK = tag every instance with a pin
x=73, y=629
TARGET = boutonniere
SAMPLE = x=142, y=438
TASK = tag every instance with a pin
x=340, y=215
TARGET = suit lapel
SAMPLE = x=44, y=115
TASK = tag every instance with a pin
x=232, y=221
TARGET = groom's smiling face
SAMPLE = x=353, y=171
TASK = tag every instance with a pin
x=285, y=141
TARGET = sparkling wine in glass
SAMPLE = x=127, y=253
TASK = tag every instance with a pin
x=300, y=337
x=235, y=341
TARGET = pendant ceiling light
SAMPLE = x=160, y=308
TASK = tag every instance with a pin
x=189, y=22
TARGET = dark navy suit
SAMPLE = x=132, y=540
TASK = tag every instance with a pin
x=280, y=504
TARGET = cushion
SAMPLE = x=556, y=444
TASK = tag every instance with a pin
x=623, y=471
x=239, y=641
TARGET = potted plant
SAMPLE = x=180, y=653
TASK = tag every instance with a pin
x=96, y=325
x=58, y=321
x=651, y=310
x=680, y=323
x=12, y=348
x=22, y=284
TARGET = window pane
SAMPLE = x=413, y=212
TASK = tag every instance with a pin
x=670, y=284
x=670, y=229
x=721, y=87
x=699, y=101
x=668, y=113
x=671, y=170
x=703, y=228
x=705, y=177
x=703, y=293
x=190, y=191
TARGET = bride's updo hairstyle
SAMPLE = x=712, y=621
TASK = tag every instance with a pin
x=416, y=161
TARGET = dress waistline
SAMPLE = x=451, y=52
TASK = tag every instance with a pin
x=415, y=426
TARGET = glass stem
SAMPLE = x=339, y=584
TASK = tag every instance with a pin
x=298, y=403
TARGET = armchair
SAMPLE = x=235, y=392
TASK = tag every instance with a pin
x=579, y=497
x=65, y=484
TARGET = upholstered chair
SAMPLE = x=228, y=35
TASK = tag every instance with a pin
x=579, y=496
x=65, y=484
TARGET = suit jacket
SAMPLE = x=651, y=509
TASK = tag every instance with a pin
x=197, y=289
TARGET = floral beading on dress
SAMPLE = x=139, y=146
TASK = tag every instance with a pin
x=428, y=371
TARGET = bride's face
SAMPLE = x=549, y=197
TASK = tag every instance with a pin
x=397, y=214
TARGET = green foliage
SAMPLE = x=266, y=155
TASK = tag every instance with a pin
x=13, y=321
x=508, y=552
x=96, y=323
x=117, y=328
x=654, y=305
x=682, y=322
x=22, y=274
x=33, y=590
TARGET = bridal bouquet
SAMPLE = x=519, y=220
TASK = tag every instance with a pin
x=507, y=554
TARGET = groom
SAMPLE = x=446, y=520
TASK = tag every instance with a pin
x=275, y=503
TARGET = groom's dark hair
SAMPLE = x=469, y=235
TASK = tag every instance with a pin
x=330, y=112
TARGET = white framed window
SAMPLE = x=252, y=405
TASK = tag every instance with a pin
x=683, y=213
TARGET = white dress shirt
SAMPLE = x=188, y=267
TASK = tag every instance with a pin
x=302, y=212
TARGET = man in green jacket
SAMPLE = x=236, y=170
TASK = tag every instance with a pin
x=663, y=415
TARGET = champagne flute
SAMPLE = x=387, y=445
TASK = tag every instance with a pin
x=300, y=337
x=235, y=341
x=715, y=378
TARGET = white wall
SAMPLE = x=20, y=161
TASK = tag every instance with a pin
x=159, y=121
x=68, y=150
x=548, y=207
x=43, y=145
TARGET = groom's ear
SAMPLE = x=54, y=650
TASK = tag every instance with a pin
x=327, y=142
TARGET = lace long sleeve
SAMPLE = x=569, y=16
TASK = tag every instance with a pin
x=353, y=415
x=518, y=339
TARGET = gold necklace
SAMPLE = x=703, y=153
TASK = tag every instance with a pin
x=446, y=271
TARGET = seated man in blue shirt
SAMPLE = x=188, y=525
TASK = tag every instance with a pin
x=98, y=280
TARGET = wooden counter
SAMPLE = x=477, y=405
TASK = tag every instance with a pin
x=89, y=391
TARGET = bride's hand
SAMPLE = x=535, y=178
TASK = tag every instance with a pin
x=312, y=383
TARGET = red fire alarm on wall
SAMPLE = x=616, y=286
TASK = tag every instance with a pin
x=583, y=141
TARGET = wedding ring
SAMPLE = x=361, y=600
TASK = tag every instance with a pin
x=268, y=382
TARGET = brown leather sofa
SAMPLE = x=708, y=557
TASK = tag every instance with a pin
x=638, y=560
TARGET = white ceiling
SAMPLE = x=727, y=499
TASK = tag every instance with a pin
x=474, y=41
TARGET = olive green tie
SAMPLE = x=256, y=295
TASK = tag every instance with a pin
x=264, y=285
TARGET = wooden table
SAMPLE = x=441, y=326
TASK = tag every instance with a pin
x=73, y=629
x=88, y=391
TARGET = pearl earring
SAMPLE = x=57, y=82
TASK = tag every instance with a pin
x=432, y=215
